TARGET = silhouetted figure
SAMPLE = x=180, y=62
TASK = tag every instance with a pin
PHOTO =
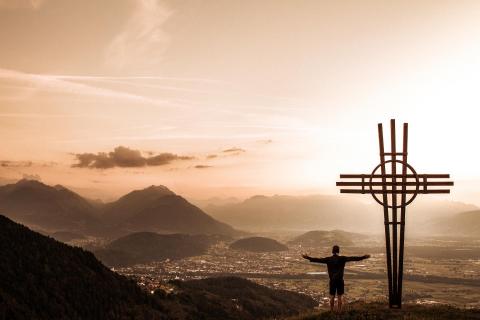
x=336, y=266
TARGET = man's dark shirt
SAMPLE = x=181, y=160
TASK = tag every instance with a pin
x=336, y=264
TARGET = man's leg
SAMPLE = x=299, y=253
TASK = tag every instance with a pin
x=340, y=292
x=333, y=291
x=332, y=302
x=339, y=307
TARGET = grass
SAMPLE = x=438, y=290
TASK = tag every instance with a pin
x=380, y=311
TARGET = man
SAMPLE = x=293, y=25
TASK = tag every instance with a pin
x=335, y=265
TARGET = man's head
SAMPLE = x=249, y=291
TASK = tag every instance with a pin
x=336, y=249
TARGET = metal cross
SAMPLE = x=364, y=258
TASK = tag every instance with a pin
x=391, y=185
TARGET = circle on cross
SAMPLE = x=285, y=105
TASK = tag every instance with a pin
x=402, y=184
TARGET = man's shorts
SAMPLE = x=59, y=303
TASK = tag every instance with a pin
x=337, y=287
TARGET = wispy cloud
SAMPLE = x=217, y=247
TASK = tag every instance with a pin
x=234, y=150
x=202, y=166
x=143, y=39
x=21, y=4
x=51, y=83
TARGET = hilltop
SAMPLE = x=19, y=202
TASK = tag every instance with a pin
x=380, y=311
x=258, y=244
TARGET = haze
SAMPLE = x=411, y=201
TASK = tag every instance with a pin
x=234, y=98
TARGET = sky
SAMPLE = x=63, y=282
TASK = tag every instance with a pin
x=235, y=98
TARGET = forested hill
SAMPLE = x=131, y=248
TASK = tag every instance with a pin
x=41, y=278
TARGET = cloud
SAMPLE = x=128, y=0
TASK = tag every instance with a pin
x=125, y=158
x=52, y=83
x=201, y=166
x=234, y=150
x=143, y=39
x=165, y=158
x=266, y=141
x=15, y=164
x=212, y=156
x=21, y=4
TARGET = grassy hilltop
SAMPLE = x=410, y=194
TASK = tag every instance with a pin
x=380, y=311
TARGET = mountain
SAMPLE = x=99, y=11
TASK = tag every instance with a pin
x=58, y=209
x=329, y=212
x=158, y=209
x=41, y=278
x=258, y=244
x=320, y=238
x=144, y=247
x=262, y=213
x=48, y=208
x=462, y=224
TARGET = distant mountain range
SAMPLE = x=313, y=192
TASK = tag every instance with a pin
x=324, y=212
x=144, y=247
x=263, y=213
x=258, y=244
x=58, y=209
x=157, y=209
x=41, y=278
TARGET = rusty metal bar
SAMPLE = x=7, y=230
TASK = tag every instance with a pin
x=428, y=176
x=389, y=183
x=380, y=191
x=385, y=213
x=402, y=215
x=393, y=147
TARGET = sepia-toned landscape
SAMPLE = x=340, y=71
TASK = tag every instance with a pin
x=223, y=160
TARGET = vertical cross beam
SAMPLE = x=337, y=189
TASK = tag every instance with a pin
x=394, y=250
x=393, y=147
x=385, y=213
x=402, y=213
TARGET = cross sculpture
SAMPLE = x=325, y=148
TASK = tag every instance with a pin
x=390, y=185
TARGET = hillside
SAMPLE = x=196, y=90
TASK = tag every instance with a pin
x=380, y=311
x=48, y=208
x=157, y=209
x=237, y=298
x=144, y=247
x=41, y=278
x=466, y=224
x=258, y=244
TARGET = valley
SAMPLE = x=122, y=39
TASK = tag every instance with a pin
x=447, y=280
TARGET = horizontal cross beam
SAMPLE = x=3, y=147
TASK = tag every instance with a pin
x=397, y=176
x=380, y=191
x=390, y=183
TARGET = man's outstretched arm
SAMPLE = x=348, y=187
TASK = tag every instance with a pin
x=312, y=259
x=357, y=258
